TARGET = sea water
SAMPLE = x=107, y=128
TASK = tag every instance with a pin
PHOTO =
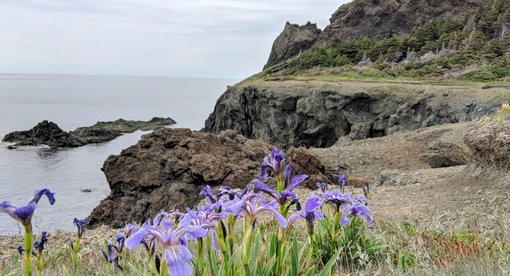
x=74, y=101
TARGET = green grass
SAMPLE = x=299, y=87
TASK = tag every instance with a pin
x=404, y=248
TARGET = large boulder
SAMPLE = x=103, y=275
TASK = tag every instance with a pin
x=293, y=40
x=169, y=167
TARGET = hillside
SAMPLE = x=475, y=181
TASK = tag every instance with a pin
x=396, y=38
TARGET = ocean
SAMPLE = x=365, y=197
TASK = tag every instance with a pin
x=74, y=101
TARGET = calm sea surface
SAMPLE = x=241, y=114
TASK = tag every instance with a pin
x=74, y=101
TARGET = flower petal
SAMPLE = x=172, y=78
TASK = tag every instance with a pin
x=279, y=218
x=24, y=214
x=312, y=203
x=296, y=180
x=39, y=193
x=177, y=257
x=344, y=220
x=295, y=216
x=136, y=238
x=260, y=186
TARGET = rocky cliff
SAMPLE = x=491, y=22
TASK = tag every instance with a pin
x=381, y=18
x=169, y=167
x=317, y=114
x=293, y=40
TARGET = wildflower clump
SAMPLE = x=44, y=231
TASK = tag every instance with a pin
x=24, y=215
x=254, y=231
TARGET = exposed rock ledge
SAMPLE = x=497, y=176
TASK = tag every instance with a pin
x=50, y=134
x=169, y=167
x=318, y=113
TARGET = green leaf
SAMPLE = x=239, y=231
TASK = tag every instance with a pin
x=326, y=271
x=294, y=258
x=310, y=271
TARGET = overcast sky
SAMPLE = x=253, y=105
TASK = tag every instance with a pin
x=191, y=38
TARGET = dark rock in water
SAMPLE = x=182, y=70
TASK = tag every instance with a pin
x=50, y=134
x=44, y=133
x=11, y=147
x=169, y=167
x=293, y=40
x=316, y=114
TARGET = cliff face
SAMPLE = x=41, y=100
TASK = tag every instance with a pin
x=380, y=18
x=318, y=114
x=293, y=40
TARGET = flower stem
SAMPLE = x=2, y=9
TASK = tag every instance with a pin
x=28, y=249
x=310, y=252
x=39, y=264
x=246, y=250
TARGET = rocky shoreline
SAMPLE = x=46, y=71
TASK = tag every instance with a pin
x=50, y=134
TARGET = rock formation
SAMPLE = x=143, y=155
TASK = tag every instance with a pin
x=379, y=19
x=50, y=134
x=317, y=115
x=169, y=167
x=293, y=40
x=44, y=133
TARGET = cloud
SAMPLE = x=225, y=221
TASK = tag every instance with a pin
x=225, y=38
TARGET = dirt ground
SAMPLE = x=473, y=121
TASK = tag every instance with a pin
x=452, y=197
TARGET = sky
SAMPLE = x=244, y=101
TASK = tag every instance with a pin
x=180, y=38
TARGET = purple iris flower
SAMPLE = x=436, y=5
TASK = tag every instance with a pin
x=322, y=186
x=271, y=163
x=225, y=192
x=119, y=243
x=167, y=219
x=205, y=217
x=252, y=204
x=336, y=198
x=207, y=193
x=128, y=230
x=174, y=240
x=222, y=193
x=287, y=194
x=39, y=245
x=109, y=256
x=341, y=181
x=150, y=245
x=24, y=214
x=362, y=199
x=80, y=224
x=355, y=210
x=311, y=211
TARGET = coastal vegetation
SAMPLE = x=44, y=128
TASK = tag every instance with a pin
x=474, y=47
